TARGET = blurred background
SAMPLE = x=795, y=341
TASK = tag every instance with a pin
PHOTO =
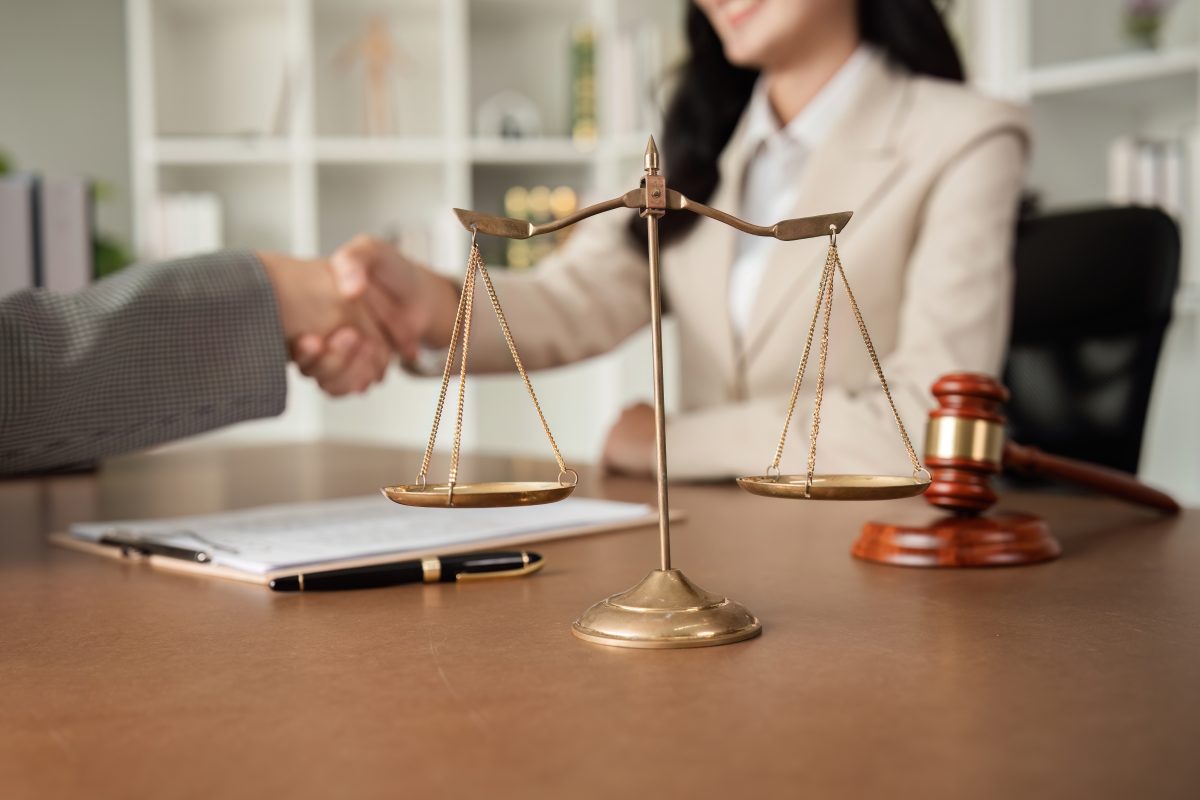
x=293, y=124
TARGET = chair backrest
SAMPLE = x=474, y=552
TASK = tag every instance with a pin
x=1093, y=298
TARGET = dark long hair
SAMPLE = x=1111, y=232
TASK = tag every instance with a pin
x=712, y=93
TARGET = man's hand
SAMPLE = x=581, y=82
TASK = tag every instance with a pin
x=313, y=310
x=409, y=304
x=630, y=447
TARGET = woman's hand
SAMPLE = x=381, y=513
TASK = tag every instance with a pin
x=630, y=447
x=413, y=304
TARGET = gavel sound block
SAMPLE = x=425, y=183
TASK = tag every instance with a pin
x=965, y=446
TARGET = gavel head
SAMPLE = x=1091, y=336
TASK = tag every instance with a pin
x=964, y=444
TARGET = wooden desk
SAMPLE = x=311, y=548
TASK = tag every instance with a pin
x=1078, y=678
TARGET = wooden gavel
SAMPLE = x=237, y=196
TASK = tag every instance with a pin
x=965, y=446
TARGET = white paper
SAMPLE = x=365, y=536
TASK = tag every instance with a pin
x=261, y=540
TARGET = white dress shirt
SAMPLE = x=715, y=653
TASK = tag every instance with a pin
x=771, y=179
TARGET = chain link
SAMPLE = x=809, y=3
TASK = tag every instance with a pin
x=812, y=327
x=468, y=290
x=512, y=348
x=819, y=394
x=462, y=326
x=862, y=328
x=441, y=401
x=833, y=263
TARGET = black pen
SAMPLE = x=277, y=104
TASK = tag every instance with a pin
x=130, y=543
x=435, y=569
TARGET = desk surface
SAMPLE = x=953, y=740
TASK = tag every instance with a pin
x=1078, y=678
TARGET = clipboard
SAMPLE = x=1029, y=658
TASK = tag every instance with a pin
x=72, y=541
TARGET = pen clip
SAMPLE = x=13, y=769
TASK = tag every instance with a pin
x=525, y=569
x=144, y=546
x=128, y=548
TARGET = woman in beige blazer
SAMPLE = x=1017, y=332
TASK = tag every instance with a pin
x=815, y=106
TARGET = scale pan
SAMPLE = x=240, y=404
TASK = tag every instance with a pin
x=478, y=495
x=835, y=487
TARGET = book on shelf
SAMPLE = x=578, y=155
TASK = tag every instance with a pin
x=537, y=204
x=583, y=84
x=634, y=82
x=1148, y=172
x=67, y=232
x=19, y=257
x=188, y=223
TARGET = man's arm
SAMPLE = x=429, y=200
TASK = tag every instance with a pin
x=154, y=353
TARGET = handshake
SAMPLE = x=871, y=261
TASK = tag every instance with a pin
x=343, y=318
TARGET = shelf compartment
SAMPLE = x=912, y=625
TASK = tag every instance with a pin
x=255, y=200
x=220, y=68
x=401, y=203
x=533, y=42
x=416, y=93
x=1061, y=33
x=491, y=182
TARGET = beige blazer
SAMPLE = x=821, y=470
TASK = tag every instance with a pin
x=932, y=172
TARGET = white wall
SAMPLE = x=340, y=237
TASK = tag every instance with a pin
x=63, y=99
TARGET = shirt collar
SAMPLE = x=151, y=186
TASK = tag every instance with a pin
x=810, y=126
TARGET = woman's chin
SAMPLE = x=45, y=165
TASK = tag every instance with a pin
x=743, y=56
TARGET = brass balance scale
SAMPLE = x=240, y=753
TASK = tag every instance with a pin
x=664, y=610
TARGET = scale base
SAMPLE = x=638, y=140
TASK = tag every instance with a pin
x=666, y=610
x=993, y=540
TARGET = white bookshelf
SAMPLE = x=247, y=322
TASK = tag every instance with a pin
x=1087, y=85
x=247, y=99
x=391, y=150
x=244, y=98
x=1111, y=71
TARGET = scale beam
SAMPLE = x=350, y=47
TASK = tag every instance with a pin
x=788, y=230
x=511, y=228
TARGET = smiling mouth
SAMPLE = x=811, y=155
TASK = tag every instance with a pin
x=738, y=11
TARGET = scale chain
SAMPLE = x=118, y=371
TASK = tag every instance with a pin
x=462, y=332
x=512, y=348
x=441, y=401
x=862, y=327
x=833, y=263
x=819, y=393
x=469, y=291
x=812, y=327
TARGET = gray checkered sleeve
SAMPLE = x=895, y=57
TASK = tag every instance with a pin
x=153, y=353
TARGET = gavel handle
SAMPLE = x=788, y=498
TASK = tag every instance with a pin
x=1031, y=461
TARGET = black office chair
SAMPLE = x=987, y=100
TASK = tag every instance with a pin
x=1094, y=291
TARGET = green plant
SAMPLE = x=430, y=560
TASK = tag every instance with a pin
x=1144, y=20
x=109, y=254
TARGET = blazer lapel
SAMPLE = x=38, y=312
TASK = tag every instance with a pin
x=848, y=172
x=708, y=252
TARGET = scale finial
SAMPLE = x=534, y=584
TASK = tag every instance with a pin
x=651, y=156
